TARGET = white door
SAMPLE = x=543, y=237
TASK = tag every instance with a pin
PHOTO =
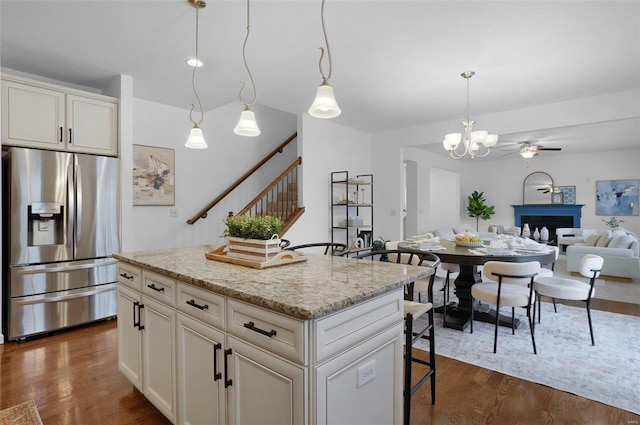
x=129, y=336
x=200, y=374
x=158, y=338
x=263, y=389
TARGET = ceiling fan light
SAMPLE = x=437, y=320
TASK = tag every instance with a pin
x=452, y=140
x=324, y=105
x=195, y=62
x=247, y=125
x=491, y=140
x=196, y=139
x=525, y=153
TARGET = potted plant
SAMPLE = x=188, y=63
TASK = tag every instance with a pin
x=477, y=208
x=612, y=223
x=254, y=238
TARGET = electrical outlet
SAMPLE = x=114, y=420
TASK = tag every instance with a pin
x=173, y=212
x=366, y=373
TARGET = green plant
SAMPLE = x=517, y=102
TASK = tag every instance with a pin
x=379, y=245
x=255, y=227
x=613, y=222
x=477, y=208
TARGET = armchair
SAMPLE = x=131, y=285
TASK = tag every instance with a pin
x=570, y=236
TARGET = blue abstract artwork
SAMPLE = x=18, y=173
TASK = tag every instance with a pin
x=617, y=197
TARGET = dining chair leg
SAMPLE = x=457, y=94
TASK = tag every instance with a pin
x=513, y=320
x=555, y=309
x=590, y=324
x=473, y=307
x=531, y=327
x=432, y=355
x=495, y=334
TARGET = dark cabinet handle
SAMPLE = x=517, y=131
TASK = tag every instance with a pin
x=253, y=327
x=60, y=134
x=194, y=304
x=155, y=288
x=69, y=135
x=126, y=276
x=140, y=326
x=216, y=375
x=135, y=307
x=227, y=382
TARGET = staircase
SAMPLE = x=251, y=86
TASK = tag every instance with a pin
x=279, y=199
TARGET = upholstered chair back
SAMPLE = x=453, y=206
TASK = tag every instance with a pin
x=590, y=262
x=511, y=269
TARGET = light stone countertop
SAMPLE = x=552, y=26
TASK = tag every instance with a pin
x=319, y=286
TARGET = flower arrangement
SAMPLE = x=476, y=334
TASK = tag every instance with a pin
x=612, y=223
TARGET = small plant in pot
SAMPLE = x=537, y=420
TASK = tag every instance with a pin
x=477, y=208
x=254, y=238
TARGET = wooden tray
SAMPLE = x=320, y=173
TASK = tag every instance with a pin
x=283, y=258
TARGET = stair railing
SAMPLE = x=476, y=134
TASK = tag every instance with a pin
x=203, y=212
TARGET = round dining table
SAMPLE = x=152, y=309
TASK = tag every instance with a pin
x=469, y=258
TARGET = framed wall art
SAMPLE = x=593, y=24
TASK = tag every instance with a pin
x=557, y=198
x=153, y=175
x=568, y=194
x=617, y=197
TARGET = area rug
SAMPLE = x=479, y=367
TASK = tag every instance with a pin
x=607, y=372
x=22, y=414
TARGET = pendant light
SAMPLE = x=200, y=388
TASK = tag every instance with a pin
x=196, y=138
x=324, y=105
x=247, y=125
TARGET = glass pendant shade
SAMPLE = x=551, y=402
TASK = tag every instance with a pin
x=247, y=125
x=452, y=140
x=196, y=139
x=324, y=105
x=527, y=154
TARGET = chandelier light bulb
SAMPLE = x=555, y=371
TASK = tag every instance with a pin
x=196, y=139
x=247, y=125
x=195, y=62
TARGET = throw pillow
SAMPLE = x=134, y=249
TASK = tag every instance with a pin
x=604, y=239
x=618, y=232
x=446, y=233
x=621, y=241
x=591, y=240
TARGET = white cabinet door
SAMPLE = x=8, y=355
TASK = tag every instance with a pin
x=364, y=384
x=32, y=116
x=200, y=389
x=158, y=339
x=129, y=336
x=92, y=125
x=263, y=389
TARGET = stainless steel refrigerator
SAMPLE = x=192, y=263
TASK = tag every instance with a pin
x=61, y=224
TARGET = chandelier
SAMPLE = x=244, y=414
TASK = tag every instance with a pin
x=472, y=141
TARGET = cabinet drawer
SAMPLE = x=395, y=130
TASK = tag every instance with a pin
x=349, y=327
x=129, y=276
x=201, y=304
x=159, y=287
x=275, y=332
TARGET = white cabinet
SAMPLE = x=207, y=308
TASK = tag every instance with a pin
x=158, y=342
x=263, y=389
x=208, y=359
x=41, y=115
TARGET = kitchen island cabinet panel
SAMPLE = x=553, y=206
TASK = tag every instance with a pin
x=129, y=336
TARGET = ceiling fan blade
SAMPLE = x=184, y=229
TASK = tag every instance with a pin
x=540, y=148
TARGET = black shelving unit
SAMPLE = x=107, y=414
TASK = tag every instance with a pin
x=351, y=208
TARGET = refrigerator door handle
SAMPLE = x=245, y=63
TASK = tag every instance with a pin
x=78, y=224
x=71, y=207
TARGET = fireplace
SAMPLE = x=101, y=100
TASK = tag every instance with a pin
x=552, y=216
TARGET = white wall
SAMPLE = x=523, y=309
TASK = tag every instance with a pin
x=326, y=147
x=201, y=175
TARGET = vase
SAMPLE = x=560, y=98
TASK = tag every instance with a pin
x=525, y=231
x=536, y=234
x=544, y=234
x=252, y=249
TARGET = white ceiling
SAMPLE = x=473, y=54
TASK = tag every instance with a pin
x=396, y=63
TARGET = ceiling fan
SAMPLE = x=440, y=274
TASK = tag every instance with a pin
x=529, y=149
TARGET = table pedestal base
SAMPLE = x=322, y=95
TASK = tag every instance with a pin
x=460, y=318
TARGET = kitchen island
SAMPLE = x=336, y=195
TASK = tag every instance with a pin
x=315, y=342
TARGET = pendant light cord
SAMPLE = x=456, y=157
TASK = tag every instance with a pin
x=193, y=77
x=326, y=42
x=244, y=58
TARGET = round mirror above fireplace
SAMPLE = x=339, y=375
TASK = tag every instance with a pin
x=537, y=188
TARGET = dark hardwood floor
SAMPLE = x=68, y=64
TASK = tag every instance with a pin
x=74, y=379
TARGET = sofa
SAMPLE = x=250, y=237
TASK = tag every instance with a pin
x=620, y=249
x=570, y=236
x=449, y=233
